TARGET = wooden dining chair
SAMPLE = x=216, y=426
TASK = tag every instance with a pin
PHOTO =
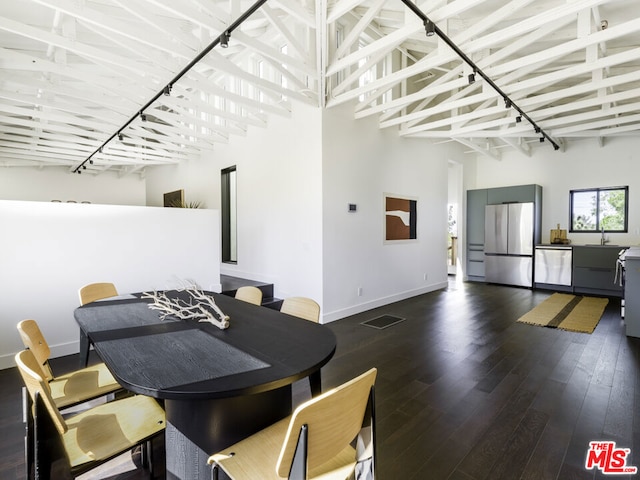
x=301, y=307
x=72, y=388
x=84, y=441
x=316, y=441
x=249, y=294
x=96, y=291
x=307, y=309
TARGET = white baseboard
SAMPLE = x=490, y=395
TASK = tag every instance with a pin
x=8, y=361
x=380, y=302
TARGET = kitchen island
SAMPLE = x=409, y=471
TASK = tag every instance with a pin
x=631, y=289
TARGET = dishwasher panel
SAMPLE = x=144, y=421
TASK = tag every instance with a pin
x=553, y=265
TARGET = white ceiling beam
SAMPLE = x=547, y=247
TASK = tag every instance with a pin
x=116, y=63
x=483, y=150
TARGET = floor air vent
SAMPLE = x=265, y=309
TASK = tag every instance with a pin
x=382, y=321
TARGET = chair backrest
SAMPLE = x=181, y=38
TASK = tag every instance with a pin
x=249, y=294
x=333, y=420
x=96, y=291
x=34, y=340
x=33, y=378
x=301, y=307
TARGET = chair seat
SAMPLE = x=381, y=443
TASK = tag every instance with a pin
x=264, y=447
x=109, y=429
x=82, y=385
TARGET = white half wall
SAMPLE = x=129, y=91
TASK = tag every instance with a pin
x=584, y=164
x=49, y=250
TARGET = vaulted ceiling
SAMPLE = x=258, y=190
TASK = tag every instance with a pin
x=83, y=83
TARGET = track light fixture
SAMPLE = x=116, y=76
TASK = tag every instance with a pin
x=518, y=118
x=166, y=90
x=472, y=78
x=120, y=137
x=224, y=39
x=556, y=147
x=537, y=129
x=541, y=139
x=507, y=102
x=143, y=117
x=91, y=161
x=84, y=167
x=429, y=27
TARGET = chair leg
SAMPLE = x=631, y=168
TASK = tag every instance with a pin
x=27, y=418
x=315, y=383
x=84, y=349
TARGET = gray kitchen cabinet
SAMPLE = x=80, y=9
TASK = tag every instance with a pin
x=477, y=200
x=514, y=194
x=476, y=203
x=594, y=270
x=631, y=289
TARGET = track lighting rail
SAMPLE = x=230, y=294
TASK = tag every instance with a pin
x=431, y=28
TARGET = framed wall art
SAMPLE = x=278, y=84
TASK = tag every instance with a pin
x=400, y=218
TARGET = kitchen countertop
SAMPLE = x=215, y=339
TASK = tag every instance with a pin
x=633, y=253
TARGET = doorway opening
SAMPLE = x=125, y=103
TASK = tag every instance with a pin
x=454, y=219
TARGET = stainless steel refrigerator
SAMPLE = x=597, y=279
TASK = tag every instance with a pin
x=508, y=243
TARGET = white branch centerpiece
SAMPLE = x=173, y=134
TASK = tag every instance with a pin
x=199, y=306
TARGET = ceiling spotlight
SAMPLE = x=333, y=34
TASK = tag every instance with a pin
x=556, y=147
x=167, y=90
x=537, y=129
x=541, y=139
x=518, y=118
x=91, y=161
x=79, y=172
x=507, y=102
x=143, y=117
x=429, y=27
x=120, y=137
x=224, y=39
x=84, y=167
x=472, y=78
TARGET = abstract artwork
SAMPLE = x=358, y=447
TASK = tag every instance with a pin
x=174, y=199
x=400, y=218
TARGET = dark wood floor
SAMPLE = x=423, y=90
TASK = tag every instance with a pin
x=466, y=393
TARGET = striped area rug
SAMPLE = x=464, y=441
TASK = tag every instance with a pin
x=567, y=312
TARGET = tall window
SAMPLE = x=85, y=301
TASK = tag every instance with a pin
x=229, y=216
x=598, y=209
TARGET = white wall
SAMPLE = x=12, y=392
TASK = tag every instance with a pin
x=360, y=164
x=279, y=199
x=49, y=250
x=54, y=183
x=584, y=164
x=295, y=180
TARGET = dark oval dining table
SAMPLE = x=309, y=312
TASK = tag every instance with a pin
x=218, y=386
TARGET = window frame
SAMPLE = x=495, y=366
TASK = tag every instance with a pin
x=597, y=192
